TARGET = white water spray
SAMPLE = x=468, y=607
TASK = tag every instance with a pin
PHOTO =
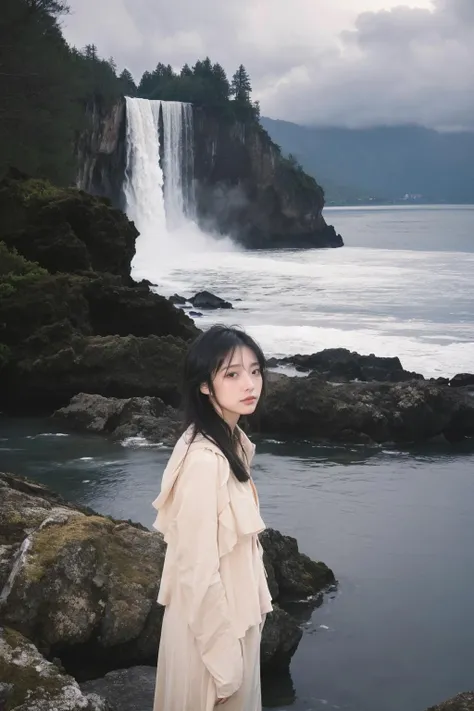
x=159, y=187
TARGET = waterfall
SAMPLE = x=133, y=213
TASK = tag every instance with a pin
x=143, y=185
x=178, y=159
x=159, y=184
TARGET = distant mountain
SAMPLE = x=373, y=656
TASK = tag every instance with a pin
x=386, y=164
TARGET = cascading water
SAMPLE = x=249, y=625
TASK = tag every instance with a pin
x=178, y=158
x=159, y=185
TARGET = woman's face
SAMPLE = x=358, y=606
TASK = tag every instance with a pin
x=237, y=385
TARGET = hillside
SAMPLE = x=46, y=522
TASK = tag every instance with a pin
x=385, y=163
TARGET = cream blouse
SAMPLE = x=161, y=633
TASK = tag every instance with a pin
x=213, y=564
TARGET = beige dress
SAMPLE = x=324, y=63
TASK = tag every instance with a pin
x=213, y=583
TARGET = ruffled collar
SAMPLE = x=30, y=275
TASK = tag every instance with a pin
x=181, y=449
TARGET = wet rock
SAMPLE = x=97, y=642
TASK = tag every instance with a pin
x=177, y=299
x=342, y=365
x=292, y=575
x=413, y=411
x=147, y=417
x=462, y=380
x=461, y=702
x=195, y=314
x=28, y=682
x=206, y=300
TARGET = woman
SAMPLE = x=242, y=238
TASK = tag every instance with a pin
x=213, y=583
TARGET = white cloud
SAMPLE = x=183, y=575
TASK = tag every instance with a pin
x=327, y=62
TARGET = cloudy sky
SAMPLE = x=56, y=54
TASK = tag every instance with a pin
x=325, y=62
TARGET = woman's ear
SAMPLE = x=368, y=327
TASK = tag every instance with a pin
x=205, y=389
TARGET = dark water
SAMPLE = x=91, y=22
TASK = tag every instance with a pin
x=397, y=528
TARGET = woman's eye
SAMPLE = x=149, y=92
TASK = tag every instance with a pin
x=257, y=371
x=230, y=375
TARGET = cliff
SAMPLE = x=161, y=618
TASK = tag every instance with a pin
x=71, y=318
x=244, y=186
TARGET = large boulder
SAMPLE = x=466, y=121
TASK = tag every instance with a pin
x=147, y=417
x=83, y=587
x=461, y=702
x=410, y=411
x=342, y=365
x=28, y=682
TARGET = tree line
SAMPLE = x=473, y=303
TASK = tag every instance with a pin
x=204, y=84
x=46, y=86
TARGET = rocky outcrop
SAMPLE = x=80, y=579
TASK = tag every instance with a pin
x=461, y=702
x=374, y=412
x=206, y=300
x=342, y=365
x=28, y=682
x=65, y=230
x=71, y=318
x=83, y=587
x=245, y=188
x=145, y=417
x=412, y=411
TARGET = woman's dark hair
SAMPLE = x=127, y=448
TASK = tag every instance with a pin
x=204, y=358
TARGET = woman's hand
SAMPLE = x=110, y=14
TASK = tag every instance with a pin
x=221, y=701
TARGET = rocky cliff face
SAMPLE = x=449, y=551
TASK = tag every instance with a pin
x=244, y=187
x=100, y=151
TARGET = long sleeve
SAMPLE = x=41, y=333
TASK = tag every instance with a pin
x=197, y=559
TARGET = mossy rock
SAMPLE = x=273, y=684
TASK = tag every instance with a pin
x=65, y=230
x=28, y=682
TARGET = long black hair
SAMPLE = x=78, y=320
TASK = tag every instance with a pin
x=204, y=358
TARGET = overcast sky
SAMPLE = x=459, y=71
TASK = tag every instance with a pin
x=326, y=62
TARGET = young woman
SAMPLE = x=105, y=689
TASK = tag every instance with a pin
x=213, y=582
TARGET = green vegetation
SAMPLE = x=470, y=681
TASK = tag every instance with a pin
x=204, y=84
x=45, y=86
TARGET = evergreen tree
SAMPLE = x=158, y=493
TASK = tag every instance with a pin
x=221, y=83
x=241, y=88
x=186, y=71
x=146, y=84
x=127, y=84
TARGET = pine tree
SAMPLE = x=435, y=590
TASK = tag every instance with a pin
x=220, y=83
x=128, y=85
x=240, y=87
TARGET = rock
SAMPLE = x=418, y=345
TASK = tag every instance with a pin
x=292, y=575
x=461, y=702
x=342, y=365
x=86, y=586
x=195, y=314
x=31, y=683
x=55, y=310
x=413, y=411
x=462, y=380
x=206, y=300
x=245, y=188
x=65, y=230
x=119, y=366
x=177, y=299
x=122, y=418
x=280, y=639
x=83, y=587
x=127, y=689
